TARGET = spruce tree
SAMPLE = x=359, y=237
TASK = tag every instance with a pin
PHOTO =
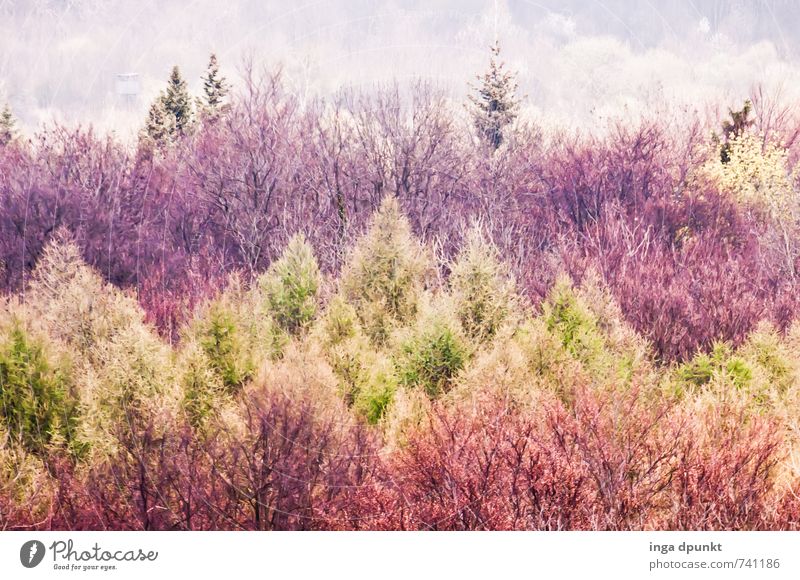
x=495, y=104
x=160, y=125
x=215, y=89
x=177, y=103
x=7, y=130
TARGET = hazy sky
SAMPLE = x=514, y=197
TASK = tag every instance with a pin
x=577, y=59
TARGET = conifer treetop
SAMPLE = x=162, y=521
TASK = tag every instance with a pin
x=215, y=86
x=495, y=104
x=177, y=102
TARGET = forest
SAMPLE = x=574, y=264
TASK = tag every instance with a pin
x=390, y=311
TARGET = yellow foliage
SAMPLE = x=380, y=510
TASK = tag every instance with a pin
x=757, y=174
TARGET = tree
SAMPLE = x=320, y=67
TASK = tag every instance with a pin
x=495, y=105
x=215, y=89
x=177, y=103
x=159, y=126
x=734, y=128
x=291, y=286
x=170, y=114
x=7, y=130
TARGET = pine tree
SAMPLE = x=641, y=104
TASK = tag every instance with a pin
x=177, y=103
x=7, y=130
x=215, y=89
x=495, y=105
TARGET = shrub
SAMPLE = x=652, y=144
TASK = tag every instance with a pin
x=589, y=326
x=773, y=358
x=519, y=368
x=760, y=370
x=204, y=391
x=756, y=174
x=28, y=493
x=339, y=323
x=721, y=361
x=131, y=387
x=376, y=394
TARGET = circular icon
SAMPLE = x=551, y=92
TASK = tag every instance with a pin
x=31, y=553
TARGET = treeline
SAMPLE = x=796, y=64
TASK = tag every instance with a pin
x=696, y=245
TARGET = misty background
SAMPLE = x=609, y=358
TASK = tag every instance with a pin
x=577, y=60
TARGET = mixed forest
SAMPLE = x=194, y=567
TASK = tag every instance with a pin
x=387, y=310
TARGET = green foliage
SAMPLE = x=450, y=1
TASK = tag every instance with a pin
x=762, y=370
x=339, y=323
x=721, y=362
x=35, y=399
x=219, y=337
x=431, y=357
x=291, y=286
x=521, y=366
x=573, y=322
x=482, y=287
x=770, y=355
x=385, y=273
x=376, y=394
x=203, y=389
x=365, y=375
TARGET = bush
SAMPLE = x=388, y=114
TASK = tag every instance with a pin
x=28, y=492
x=760, y=370
x=757, y=174
x=204, y=391
x=376, y=394
x=519, y=368
x=366, y=376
